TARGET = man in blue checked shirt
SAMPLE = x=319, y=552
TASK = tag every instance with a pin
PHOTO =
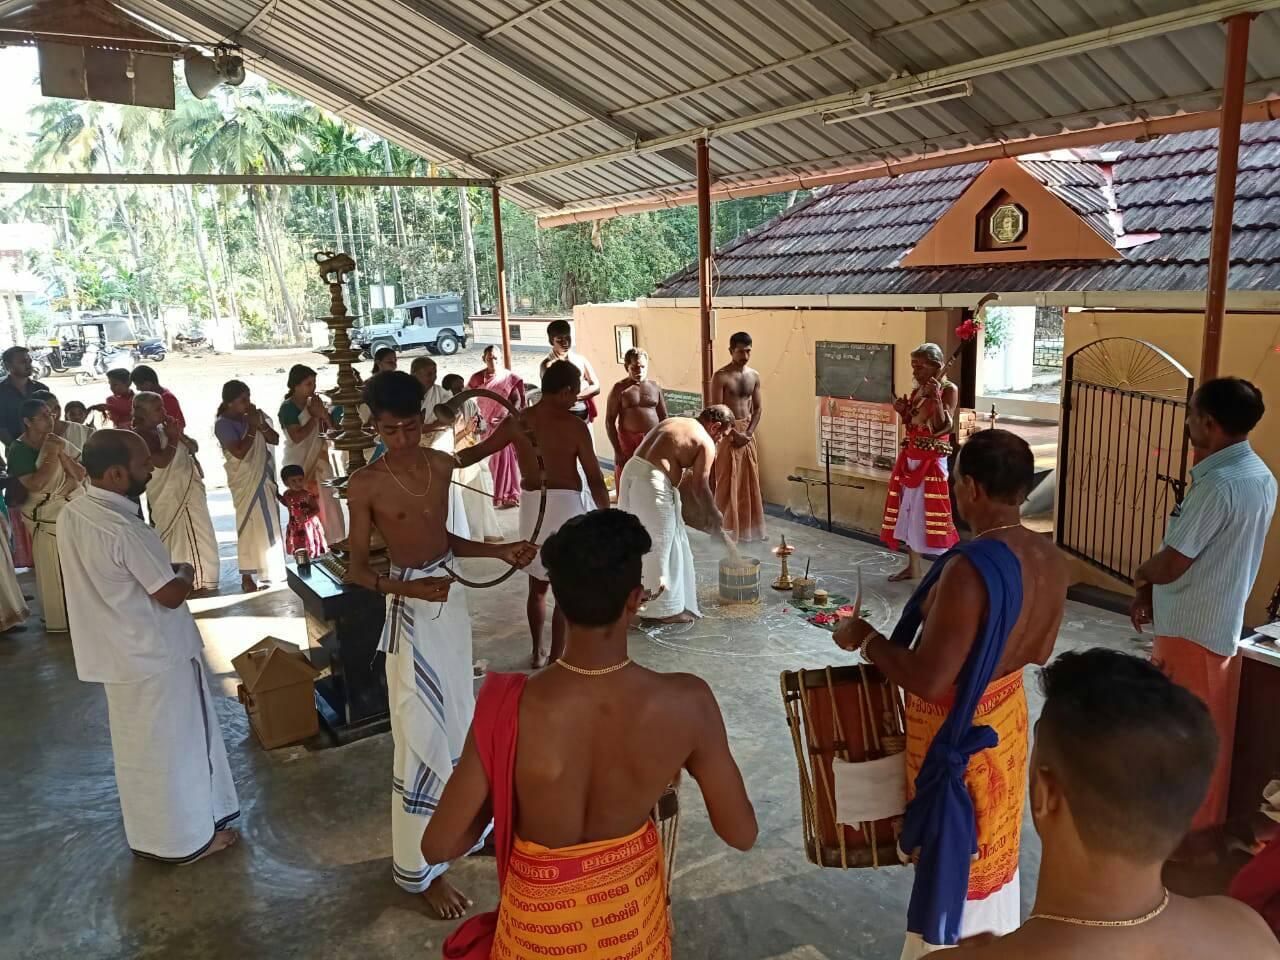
x=1195, y=588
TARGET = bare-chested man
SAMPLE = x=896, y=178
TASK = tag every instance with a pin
x=634, y=408
x=737, y=476
x=917, y=510
x=590, y=745
x=992, y=609
x=560, y=336
x=427, y=637
x=565, y=443
x=1122, y=759
x=650, y=489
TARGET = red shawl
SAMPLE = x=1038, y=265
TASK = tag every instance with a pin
x=494, y=728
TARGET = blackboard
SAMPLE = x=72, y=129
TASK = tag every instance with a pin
x=856, y=371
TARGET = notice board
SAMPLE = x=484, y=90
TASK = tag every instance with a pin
x=853, y=371
x=682, y=403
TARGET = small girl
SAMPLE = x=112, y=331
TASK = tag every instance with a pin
x=305, y=531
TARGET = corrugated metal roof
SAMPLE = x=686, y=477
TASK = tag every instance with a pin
x=850, y=239
x=501, y=87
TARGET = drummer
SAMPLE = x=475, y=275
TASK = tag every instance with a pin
x=987, y=612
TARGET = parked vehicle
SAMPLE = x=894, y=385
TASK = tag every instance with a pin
x=435, y=322
x=152, y=348
x=40, y=365
x=108, y=331
x=95, y=363
x=192, y=343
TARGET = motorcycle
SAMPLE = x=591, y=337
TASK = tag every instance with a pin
x=152, y=348
x=192, y=343
x=41, y=364
x=95, y=364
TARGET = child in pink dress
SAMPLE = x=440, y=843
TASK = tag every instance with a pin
x=305, y=531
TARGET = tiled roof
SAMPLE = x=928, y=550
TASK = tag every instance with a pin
x=849, y=239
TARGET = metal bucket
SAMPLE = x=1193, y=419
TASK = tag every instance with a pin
x=740, y=580
x=802, y=588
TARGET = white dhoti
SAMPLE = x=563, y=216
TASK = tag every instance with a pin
x=562, y=505
x=259, y=537
x=175, y=784
x=999, y=913
x=431, y=696
x=476, y=486
x=645, y=490
x=179, y=509
x=13, y=605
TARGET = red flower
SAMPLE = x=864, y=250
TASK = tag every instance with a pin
x=969, y=329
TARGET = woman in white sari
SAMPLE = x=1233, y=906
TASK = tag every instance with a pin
x=245, y=435
x=305, y=419
x=47, y=466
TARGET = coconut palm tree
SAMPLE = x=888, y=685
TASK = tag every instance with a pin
x=246, y=130
x=81, y=135
x=335, y=150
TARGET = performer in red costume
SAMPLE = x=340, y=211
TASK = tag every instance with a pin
x=917, y=511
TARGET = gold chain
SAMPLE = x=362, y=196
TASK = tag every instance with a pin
x=1007, y=526
x=592, y=673
x=1081, y=922
x=402, y=486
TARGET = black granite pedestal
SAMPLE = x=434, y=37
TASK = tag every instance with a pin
x=352, y=698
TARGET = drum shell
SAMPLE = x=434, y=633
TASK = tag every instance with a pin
x=740, y=580
x=828, y=712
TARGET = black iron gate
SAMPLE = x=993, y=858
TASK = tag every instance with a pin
x=1123, y=445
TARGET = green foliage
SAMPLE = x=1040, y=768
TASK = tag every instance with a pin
x=996, y=324
x=245, y=253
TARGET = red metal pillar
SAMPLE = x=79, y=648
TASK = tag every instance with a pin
x=500, y=261
x=705, y=345
x=1224, y=195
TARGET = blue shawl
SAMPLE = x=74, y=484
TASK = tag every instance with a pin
x=939, y=820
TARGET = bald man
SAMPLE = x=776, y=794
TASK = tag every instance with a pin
x=131, y=631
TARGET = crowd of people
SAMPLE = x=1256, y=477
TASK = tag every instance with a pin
x=1130, y=758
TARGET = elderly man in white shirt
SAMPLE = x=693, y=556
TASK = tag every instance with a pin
x=132, y=632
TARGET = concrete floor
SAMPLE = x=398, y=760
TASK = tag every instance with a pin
x=312, y=875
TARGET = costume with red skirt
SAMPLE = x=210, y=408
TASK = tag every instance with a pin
x=917, y=509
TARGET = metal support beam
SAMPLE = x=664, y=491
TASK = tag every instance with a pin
x=894, y=60
x=450, y=151
x=451, y=23
x=973, y=6
x=533, y=73
x=238, y=180
x=500, y=262
x=705, y=341
x=1224, y=193
x=1210, y=11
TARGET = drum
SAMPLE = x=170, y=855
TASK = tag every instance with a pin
x=740, y=580
x=854, y=713
x=666, y=815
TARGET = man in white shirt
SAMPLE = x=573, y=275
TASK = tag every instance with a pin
x=424, y=368
x=132, y=632
x=560, y=336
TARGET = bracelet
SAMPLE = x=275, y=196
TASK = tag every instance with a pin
x=865, y=644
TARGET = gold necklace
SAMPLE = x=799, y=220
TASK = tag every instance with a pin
x=1007, y=526
x=1081, y=922
x=406, y=489
x=592, y=673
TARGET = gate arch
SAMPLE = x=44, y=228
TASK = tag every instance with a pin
x=1123, y=451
